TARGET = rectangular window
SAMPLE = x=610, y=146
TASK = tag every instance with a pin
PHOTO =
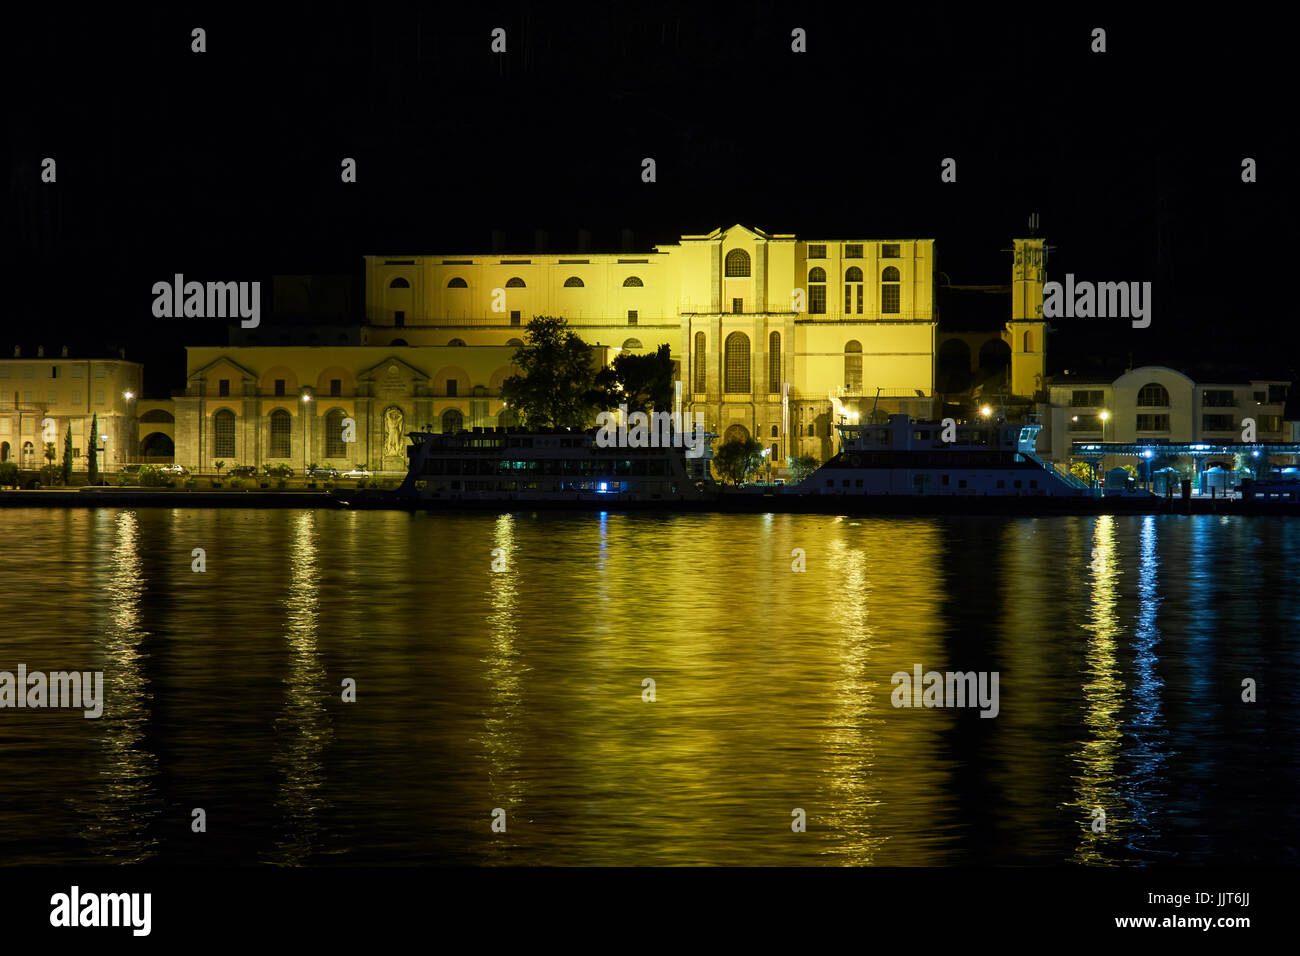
x=848, y=298
x=399, y=318
x=1153, y=423
x=1019, y=484
x=28, y=399
x=76, y=398
x=1277, y=394
x=1261, y=398
x=1217, y=423
x=853, y=250
x=1087, y=399
x=890, y=250
x=1218, y=398
x=100, y=371
x=78, y=371
x=223, y=445
x=514, y=317
x=1085, y=423
x=279, y=386
x=817, y=251
x=631, y=316
x=816, y=299
x=889, y=298
x=4, y=371
x=945, y=481
x=280, y=444
x=961, y=483
x=54, y=371
x=223, y=388
x=53, y=398
x=859, y=300
x=336, y=387
x=451, y=387
x=27, y=371
x=99, y=397
x=6, y=425
x=1003, y=484
x=737, y=306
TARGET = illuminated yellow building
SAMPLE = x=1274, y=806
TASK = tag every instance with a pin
x=775, y=337
x=68, y=393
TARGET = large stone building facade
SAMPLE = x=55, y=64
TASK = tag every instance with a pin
x=774, y=337
x=44, y=396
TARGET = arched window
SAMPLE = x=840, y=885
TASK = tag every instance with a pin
x=573, y=282
x=737, y=363
x=632, y=282
x=774, y=362
x=29, y=454
x=399, y=283
x=335, y=447
x=852, y=290
x=737, y=264
x=701, y=370
x=817, y=291
x=812, y=429
x=4, y=451
x=853, y=367
x=631, y=344
x=515, y=282
x=452, y=421
x=1153, y=395
x=1029, y=341
x=774, y=435
x=456, y=343
x=223, y=434
x=890, y=291
x=281, y=428
x=457, y=283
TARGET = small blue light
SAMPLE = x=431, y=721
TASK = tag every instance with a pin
x=1254, y=454
x=602, y=487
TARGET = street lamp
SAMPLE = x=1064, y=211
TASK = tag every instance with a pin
x=306, y=429
x=986, y=411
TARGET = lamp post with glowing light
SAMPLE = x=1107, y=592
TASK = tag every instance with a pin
x=306, y=429
x=130, y=397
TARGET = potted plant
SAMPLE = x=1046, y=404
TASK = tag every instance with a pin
x=218, y=465
x=311, y=475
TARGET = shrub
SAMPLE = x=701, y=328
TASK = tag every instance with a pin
x=802, y=467
x=190, y=484
x=236, y=482
x=282, y=484
x=50, y=475
x=123, y=480
x=151, y=477
x=8, y=473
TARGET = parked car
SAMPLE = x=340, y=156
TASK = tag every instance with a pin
x=355, y=473
x=241, y=471
x=176, y=470
x=277, y=471
x=323, y=473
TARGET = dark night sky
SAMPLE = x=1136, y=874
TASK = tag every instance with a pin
x=225, y=165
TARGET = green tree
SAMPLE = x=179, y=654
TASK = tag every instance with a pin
x=92, y=462
x=8, y=474
x=67, y=456
x=802, y=467
x=50, y=453
x=642, y=382
x=737, y=459
x=557, y=387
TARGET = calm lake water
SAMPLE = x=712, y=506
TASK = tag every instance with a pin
x=1121, y=645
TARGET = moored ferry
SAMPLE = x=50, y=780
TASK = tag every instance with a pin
x=559, y=465
x=905, y=458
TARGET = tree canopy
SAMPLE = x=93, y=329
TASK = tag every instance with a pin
x=557, y=385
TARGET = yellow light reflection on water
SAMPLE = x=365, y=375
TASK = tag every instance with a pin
x=304, y=723
x=1096, y=784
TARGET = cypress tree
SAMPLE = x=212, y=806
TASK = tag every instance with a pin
x=67, y=456
x=92, y=466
